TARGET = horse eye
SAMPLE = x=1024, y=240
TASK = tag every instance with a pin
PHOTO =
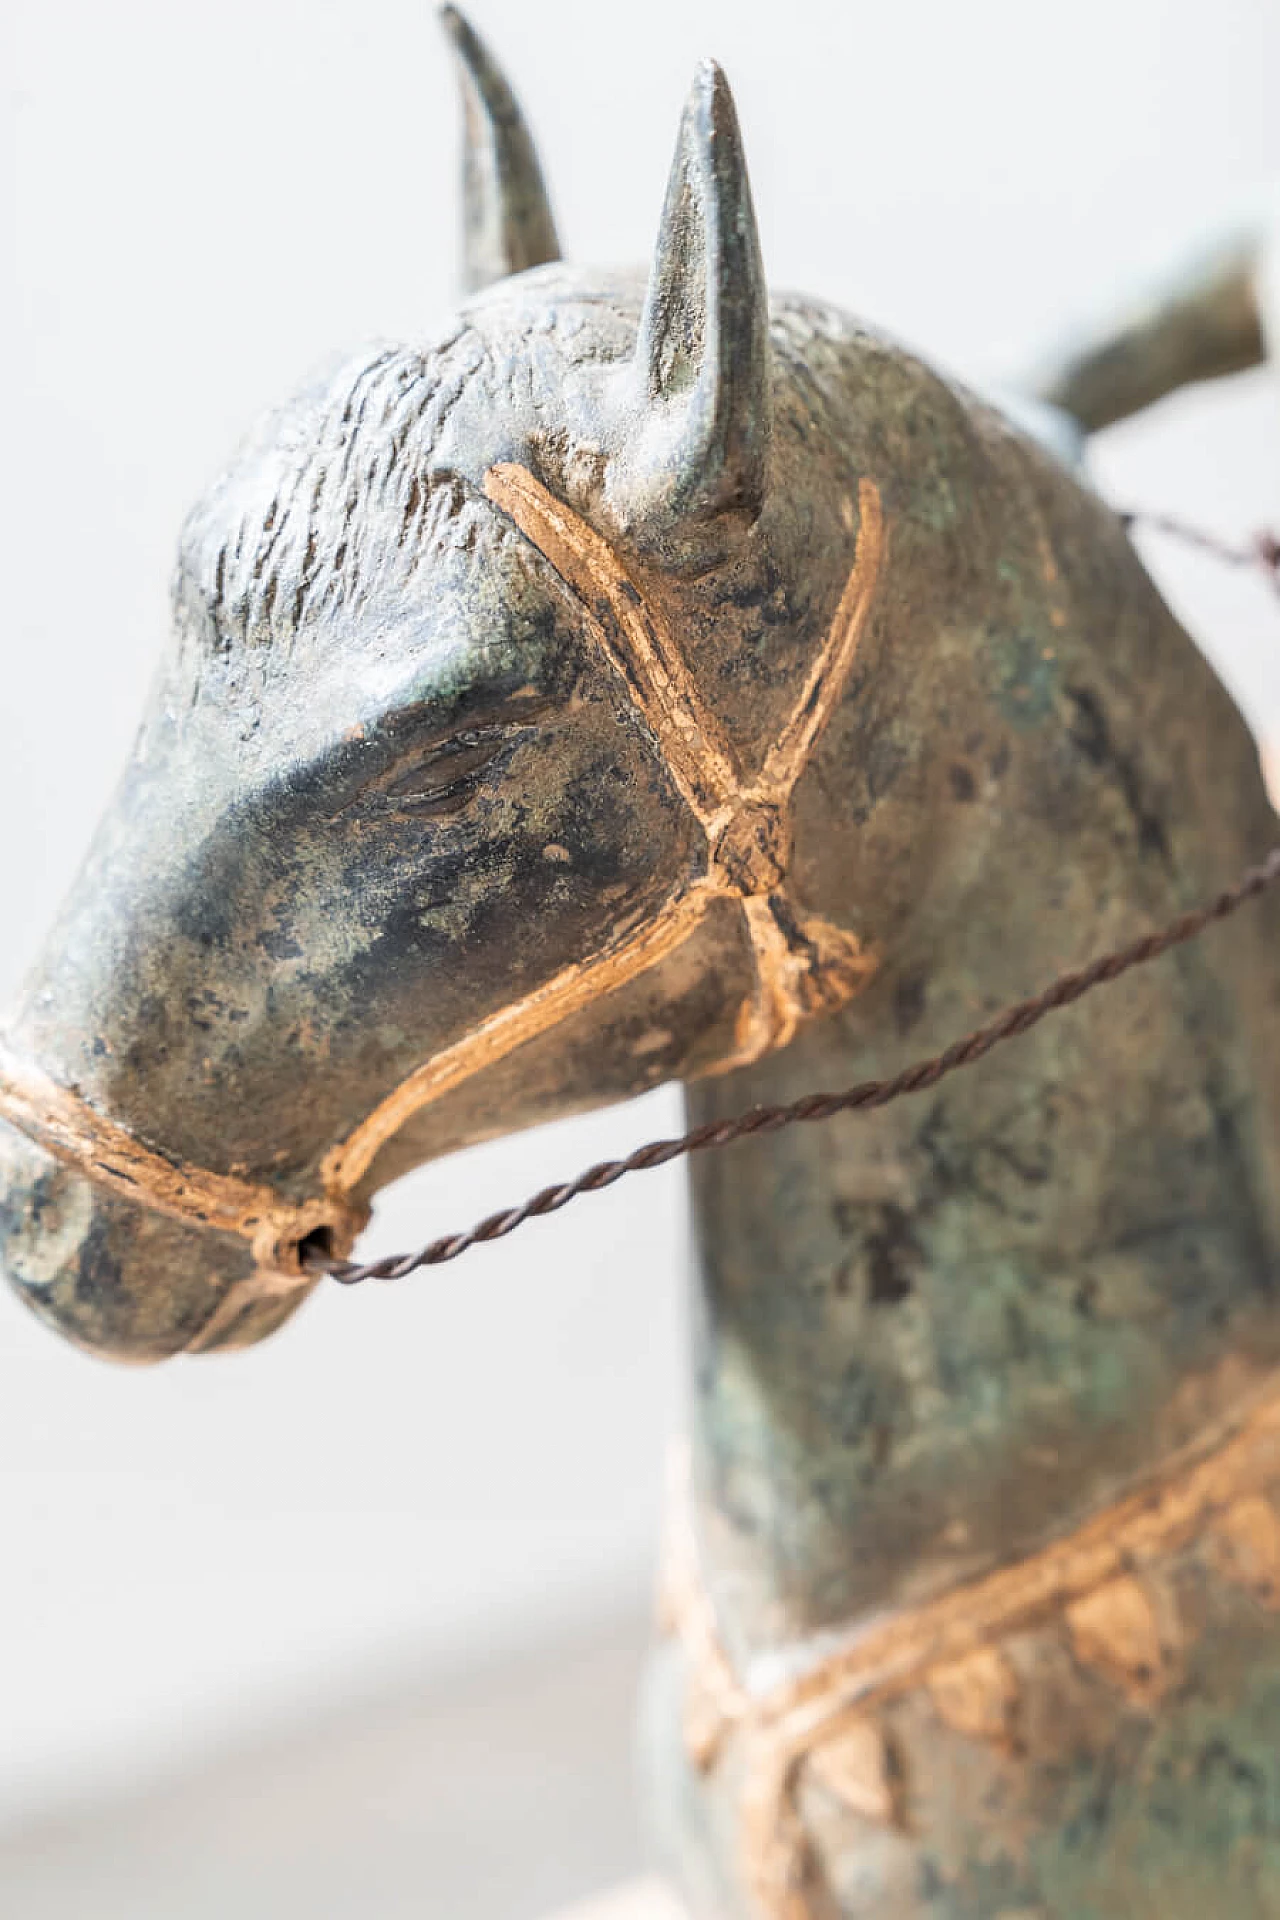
x=442, y=779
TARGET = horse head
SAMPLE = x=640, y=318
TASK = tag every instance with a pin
x=471, y=787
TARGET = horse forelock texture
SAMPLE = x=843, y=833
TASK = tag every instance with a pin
x=334, y=497
x=338, y=498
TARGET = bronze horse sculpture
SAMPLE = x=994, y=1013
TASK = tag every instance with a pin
x=646, y=679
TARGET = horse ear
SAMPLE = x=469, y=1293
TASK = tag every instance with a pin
x=507, y=219
x=700, y=446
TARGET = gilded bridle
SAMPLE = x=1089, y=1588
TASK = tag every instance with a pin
x=803, y=965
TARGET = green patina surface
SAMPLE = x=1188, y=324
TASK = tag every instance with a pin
x=390, y=785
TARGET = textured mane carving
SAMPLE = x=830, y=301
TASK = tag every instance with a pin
x=335, y=499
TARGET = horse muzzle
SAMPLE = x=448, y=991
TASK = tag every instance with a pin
x=120, y=1279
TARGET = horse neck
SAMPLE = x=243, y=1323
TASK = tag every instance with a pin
x=928, y=1339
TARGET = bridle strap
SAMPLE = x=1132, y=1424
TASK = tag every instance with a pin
x=115, y=1158
x=803, y=965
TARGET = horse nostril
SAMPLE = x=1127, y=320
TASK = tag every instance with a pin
x=115, y=1277
x=316, y=1250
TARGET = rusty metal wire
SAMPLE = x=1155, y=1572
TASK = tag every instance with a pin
x=863, y=1098
x=1262, y=551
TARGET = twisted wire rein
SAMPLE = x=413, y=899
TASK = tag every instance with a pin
x=862, y=1098
x=1263, y=551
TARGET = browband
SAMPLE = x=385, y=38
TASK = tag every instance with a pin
x=803, y=965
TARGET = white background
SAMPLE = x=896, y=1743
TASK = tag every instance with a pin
x=203, y=201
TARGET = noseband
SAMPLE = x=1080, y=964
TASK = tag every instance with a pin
x=803, y=965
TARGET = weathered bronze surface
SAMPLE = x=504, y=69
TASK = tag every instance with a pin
x=643, y=679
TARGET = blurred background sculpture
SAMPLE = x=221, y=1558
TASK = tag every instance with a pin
x=644, y=679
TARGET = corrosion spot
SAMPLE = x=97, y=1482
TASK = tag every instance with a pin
x=963, y=785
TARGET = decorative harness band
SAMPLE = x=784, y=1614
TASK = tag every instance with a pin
x=803, y=965
x=813, y=1713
